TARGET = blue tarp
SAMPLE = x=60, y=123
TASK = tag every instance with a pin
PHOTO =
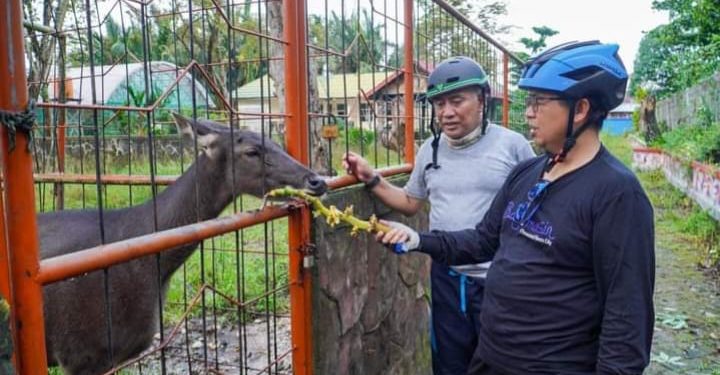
x=617, y=126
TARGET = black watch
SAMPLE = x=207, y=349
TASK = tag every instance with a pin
x=373, y=182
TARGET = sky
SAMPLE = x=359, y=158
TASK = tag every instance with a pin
x=618, y=21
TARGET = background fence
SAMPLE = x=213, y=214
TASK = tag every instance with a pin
x=321, y=77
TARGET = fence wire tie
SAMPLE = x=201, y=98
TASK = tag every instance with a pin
x=22, y=121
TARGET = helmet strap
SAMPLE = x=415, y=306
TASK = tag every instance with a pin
x=570, y=137
x=485, y=111
x=436, y=140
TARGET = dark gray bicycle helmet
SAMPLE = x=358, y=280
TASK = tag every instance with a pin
x=456, y=73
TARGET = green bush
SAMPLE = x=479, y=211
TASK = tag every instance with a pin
x=700, y=143
x=360, y=138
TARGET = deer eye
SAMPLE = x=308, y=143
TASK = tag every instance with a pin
x=253, y=153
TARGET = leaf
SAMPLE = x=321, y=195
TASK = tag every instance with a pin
x=673, y=321
x=665, y=359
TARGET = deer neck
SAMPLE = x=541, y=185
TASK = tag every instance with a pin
x=199, y=194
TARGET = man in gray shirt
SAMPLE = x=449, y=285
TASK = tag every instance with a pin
x=458, y=171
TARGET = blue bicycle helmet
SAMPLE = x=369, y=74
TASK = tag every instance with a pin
x=578, y=70
x=452, y=74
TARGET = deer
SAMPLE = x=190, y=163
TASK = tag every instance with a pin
x=228, y=164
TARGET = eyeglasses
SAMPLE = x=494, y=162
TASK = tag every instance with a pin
x=525, y=211
x=535, y=101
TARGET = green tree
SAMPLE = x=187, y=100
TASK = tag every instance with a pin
x=684, y=51
x=534, y=45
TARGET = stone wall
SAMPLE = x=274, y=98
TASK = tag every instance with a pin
x=683, y=108
x=370, y=306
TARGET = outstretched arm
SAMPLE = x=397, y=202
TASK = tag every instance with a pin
x=391, y=195
x=468, y=246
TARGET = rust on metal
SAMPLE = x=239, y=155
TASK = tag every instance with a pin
x=21, y=238
x=105, y=179
x=103, y=256
x=297, y=139
x=409, y=84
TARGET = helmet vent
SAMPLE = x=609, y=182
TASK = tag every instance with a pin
x=452, y=79
x=581, y=74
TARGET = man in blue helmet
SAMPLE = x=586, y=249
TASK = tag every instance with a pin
x=570, y=234
x=458, y=90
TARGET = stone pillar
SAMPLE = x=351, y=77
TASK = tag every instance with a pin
x=370, y=306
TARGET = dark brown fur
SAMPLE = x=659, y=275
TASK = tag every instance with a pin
x=75, y=309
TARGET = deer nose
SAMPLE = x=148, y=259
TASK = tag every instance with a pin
x=316, y=185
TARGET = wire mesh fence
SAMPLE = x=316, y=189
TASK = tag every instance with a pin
x=116, y=80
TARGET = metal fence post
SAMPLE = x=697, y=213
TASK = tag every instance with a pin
x=297, y=139
x=22, y=239
x=409, y=84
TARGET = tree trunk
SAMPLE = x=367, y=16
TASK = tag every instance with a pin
x=648, y=122
x=40, y=53
x=320, y=162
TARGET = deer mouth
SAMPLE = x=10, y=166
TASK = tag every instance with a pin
x=315, y=185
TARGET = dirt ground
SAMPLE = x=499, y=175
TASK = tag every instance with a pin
x=687, y=310
x=228, y=350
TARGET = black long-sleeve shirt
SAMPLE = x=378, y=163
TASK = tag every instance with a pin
x=570, y=290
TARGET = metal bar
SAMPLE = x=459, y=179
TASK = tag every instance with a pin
x=225, y=18
x=334, y=183
x=506, y=91
x=297, y=140
x=460, y=17
x=61, y=125
x=347, y=180
x=327, y=51
x=393, y=19
x=103, y=256
x=106, y=179
x=21, y=225
x=409, y=85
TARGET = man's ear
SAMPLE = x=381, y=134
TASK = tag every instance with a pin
x=582, y=111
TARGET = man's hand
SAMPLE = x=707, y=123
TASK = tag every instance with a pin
x=400, y=238
x=355, y=165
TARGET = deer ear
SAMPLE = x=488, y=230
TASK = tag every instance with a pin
x=191, y=129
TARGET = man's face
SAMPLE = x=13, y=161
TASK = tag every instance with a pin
x=547, y=115
x=459, y=112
